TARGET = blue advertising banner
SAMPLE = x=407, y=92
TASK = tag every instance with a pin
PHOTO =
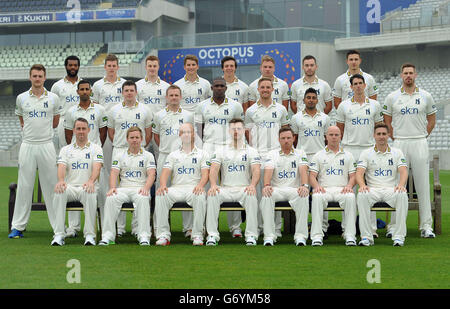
x=71, y=15
x=286, y=55
x=371, y=11
x=115, y=14
x=26, y=18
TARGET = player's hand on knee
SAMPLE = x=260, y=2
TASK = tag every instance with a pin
x=347, y=189
x=250, y=190
x=198, y=190
x=303, y=191
x=399, y=189
x=144, y=191
x=213, y=190
x=112, y=191
x=319, y=189
x=364, y=189
x=89, y=187
x=60, y=187
x=267, y=191
x=162, y=190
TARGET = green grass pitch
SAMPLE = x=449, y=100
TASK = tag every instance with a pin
x=31, y=263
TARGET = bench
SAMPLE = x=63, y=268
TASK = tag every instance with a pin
x=288, y=213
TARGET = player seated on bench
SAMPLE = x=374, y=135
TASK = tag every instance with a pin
x=136, y=169
x=286, y=179
x=188, y=167
x=377, y=172
x=332, y=176
x=240, y=168
x=79, y=166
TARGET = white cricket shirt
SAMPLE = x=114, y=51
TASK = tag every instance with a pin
x=286, y=167
x=152, y=95
x=311, y=130
x=193, y=92
x=299, y=87
x=343, y=90
x=237, y=90
x=67, y=93
x=279, y=94
x=107, y=94
x=133, y=167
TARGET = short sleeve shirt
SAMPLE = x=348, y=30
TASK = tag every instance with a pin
x=299, y=87
x=215, y=117
x=96, y=116
x=67, y=93
x=280, y=90
x=166, y=124
x=237, y=90
x=123, y=117
x=409, y=112
x=381, y=167
x=187, y=167
x=108, y=94
x=359, y=121
x=133, y=167
x=264, y=123
x=286, y=167
x=152, y=95
x=311, y=130
x=37, y=114
x=79, y=162
x=333, y=169
x=193, y=92
x=343, y=90
x=236, y=164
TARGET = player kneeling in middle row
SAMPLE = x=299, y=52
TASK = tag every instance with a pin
x=286, y=178
x=189, y=168
x=136, y=169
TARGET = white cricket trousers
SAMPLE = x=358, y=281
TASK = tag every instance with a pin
x=163, y=204
x=325, y=223
x=32, y=157
x=113, y=206
x=346, y=201
x=416, y=155
x=259, y=187
x=234, y=218
x=89, y=201
x=186, y=215
x=232, y=194
x=300, y=205
x=356, y=152
x=397, y=200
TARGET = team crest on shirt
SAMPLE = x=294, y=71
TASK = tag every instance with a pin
x=293, y=164
x=226, y=112
x=274, y=115
x=276, y=91
x=244, y=157
x=194, y=160
x=159, y=92
x=141, y=163
x=341, y=162
x=92, y=117
x=180, y=121
x=119, y=90
x=138, y=116
x=200, y=91
x=238, y=92
x=368, y=111
x=46, y=104
x=391, y=161
x=319, y=123
x=88, y=155
x=418, y=101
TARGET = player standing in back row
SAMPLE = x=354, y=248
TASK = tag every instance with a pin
x=410, y=113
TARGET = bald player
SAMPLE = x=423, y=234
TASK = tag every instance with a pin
x=188, y=167
x=410, y=113
x=332, y=176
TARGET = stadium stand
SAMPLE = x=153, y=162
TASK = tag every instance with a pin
x=60, y=5
x=48, y=55
x=10, y=131
x=423, y=13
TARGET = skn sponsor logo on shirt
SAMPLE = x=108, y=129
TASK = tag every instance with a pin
x=382, y=173
x=191, y=100
x=37, y=114
x=150, y=100
x=113, y=99
x=409, y=111
x=309, y=132
x=72, y=99
x=126, y=125
x=171, y=131
x=236, y=168
x=185, y=170
x=220, y=121
x=286, y=175
x=360, y=121
x=80, y=166
x=133, y=174
x=331, y=171
x=267, y=124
